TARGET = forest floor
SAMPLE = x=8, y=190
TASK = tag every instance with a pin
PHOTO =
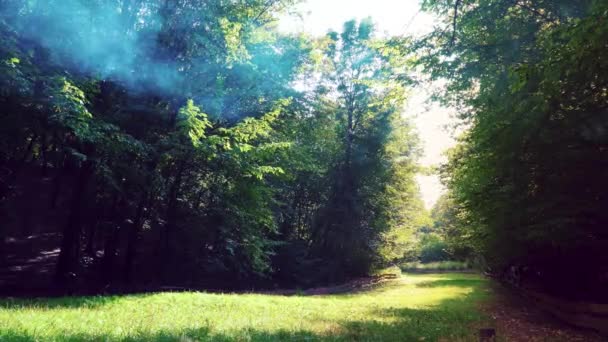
x=421, y=307
x=516, y=319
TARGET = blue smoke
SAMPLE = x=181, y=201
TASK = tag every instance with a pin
x=109, y=39
x=169, y=48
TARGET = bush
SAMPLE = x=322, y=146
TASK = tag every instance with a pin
x=433, y=249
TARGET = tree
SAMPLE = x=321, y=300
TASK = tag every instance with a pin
x=526, y=175
x=377, y=149
x=165, y=142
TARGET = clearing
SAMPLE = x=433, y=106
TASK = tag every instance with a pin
x=417, y=307
x=429, y=307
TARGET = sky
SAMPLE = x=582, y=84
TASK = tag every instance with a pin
x=392, y=17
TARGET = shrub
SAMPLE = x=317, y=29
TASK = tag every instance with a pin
x=433, y=249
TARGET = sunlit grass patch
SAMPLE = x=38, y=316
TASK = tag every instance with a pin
x=412, y=307
x=435, y=266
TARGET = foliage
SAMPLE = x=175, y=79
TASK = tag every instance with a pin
x=432, y=248
x=447, y=223
x=366, y=223
x=527, y=177
x=166, y=150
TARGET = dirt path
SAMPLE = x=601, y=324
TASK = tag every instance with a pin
x=518, y=320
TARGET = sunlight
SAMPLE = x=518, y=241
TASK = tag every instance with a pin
x=396, y=305
x=393, y=18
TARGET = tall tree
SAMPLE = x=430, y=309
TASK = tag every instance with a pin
x=527, y=174
x=367, y=81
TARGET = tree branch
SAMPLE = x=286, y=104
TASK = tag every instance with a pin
x=456, y=4
x=544, y=16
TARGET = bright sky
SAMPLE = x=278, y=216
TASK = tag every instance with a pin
x=394, y=17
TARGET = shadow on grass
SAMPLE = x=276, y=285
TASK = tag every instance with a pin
x=355, y=287
x=451, y=319
x=185, y=335
x=92, y=302
x=471, y=282
x=58, y=303
x=408, y=325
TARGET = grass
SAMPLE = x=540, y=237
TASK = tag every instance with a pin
x=435, y=266
x=394, y=271
x=411, y=308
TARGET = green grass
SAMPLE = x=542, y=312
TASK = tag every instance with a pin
x=435, y=266
x=411, y=308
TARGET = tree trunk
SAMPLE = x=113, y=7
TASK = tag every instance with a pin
x=109, y=254
x=57, y=183
x=29, y=149
x=171, y=217
x=172, y=204
x=44, y=152
x=70, y=243
x=132, y=239
x=90, y=247
x=349, y=139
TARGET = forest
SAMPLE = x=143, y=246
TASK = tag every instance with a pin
x=191, y=144
x=166, y=142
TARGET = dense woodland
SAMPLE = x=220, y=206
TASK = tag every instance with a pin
x=191, y=143
x=527, y=181
x=167, y=143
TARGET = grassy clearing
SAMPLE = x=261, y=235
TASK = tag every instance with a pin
x=435, y=266
x=411, y=308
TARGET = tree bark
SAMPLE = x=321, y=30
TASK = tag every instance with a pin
x=172, y=206
x=92, y=235
x=44, y=152
x=70, y=243
x=60, y=170
x=132, y=239
x=109, y=254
